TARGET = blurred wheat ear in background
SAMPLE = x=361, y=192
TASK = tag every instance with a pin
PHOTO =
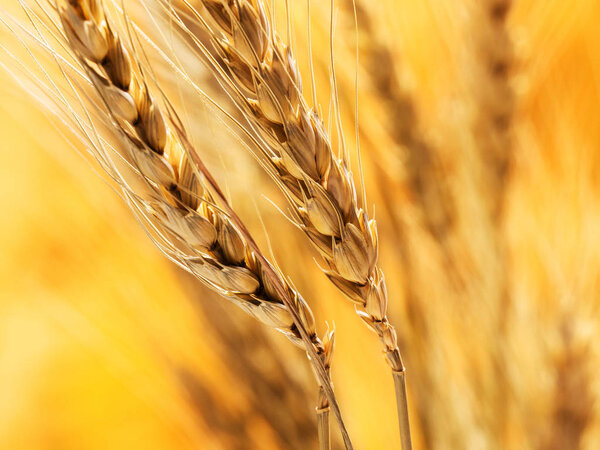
x=479, y=126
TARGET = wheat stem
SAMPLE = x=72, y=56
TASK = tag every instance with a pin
x=323, y=427
x=402, y=406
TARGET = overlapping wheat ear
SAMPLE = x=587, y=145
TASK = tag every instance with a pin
x=260, y=73
x=185, y=211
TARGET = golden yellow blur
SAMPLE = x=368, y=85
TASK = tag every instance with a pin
x=106, y=344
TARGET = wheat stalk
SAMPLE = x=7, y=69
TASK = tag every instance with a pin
x=261, y=73
x=209, y=240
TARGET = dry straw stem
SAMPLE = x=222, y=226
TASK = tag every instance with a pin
x=261, y=74
x=210, y=241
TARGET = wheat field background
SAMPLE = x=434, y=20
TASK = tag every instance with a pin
x=493, y=279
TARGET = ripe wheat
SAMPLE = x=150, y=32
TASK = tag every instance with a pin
x=261, y=72
x=214, y=246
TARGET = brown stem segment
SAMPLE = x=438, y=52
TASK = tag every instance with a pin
x=402, y=405
x=323, y=424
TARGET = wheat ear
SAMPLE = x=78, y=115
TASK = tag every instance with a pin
x=261, y=73
x=493, y=102
x=493, y=95
x=217, y=247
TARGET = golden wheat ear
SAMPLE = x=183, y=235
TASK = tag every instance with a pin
x=493, y=96
x=174, y=195
x=260, y=73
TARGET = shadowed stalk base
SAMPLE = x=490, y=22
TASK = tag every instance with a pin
x=323, y=428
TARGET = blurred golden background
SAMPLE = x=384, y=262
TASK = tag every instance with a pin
x=480, y=139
